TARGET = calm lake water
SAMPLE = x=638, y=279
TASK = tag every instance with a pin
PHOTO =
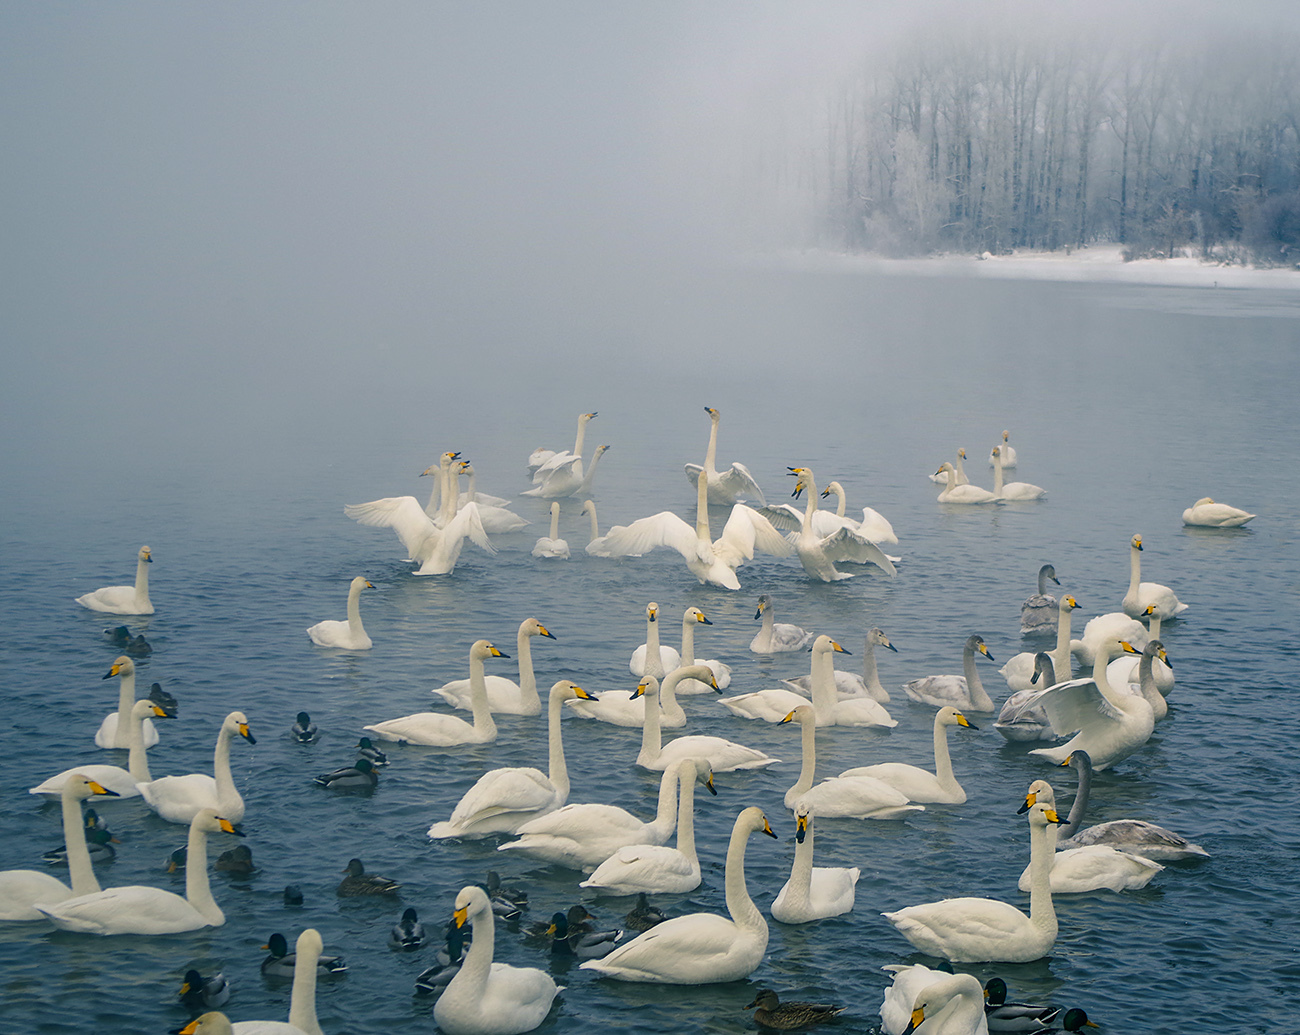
x=1127, y=403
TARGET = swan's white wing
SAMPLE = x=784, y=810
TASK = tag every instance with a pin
x=504, y=790
x=553, y=463
x=583, y=819
x=468, y=524
x=693, y=472
x=647, y=533
x=782, y=515
x=740, y=483
x=745, y=531
x=850, y=545
x=1074, y=704
x=403, y=514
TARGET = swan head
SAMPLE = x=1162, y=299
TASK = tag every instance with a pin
x=588, y=507
x=237, y=722
x=648, y=687
x=123, y=667
x=1006, y=436
x=946, y=467
x=600, y=451
x=976, y=644
x=1068, y=604
x=1204, y=502
x=147, y=708
x=825, y=645
x=803, y=714
x=1080, y=759
x=834, y=487
x=588, y=416
x=1049, y=572
x=754, y=820
x=714, y=415
x=652, y=612
x=696, y=615
x=309, y=942
x=802, y=821
x=1042, y=661
x=146, y=554
x=213, y=1022
x=1136, y=542
x=565, y=691
x=79, y=787
x=1154, y=648
x=937, y=995
x=764, y=602
x=466, y=467
x=877, y=638
x=1041, y=814
x=208, y=821
x=997, y=452
x=1040, y=792
x=361, y=582
x=481, y=650
x=701, y=768
x=532, y=627
x=961, y=455
x=950, y=716
x=471, y=901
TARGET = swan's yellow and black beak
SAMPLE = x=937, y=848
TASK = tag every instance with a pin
x=461, y=915
x=96, y=788
x=918, y=1018
x=714, y=683
x=710, y=411
x=963, y=721
x=1072, y=602
x=229, y=827
x=940, y=471
x=800, y=828
x=543, y=631
x=161, y=712
x=639, y=691
x=652, y=612
x=838, y=649
x=1137, y=542
x=117, y=668
x=1164, y=657
x=1030, y=801
x=369, y=584
x=497, y=653
x=767, y=829
x=887, y=644
x=192, y=1027
x=586, y=695
x=1128, y=647
x=789, y=717
x=1051, y=816
x=709, y=784
x=761, y=608
x=985, y=651
x=700, y=619
x=246, y=733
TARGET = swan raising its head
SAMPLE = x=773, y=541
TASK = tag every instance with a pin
x=730, y=486
x=1007, y=450
x=1208, y=514
x=1012, y=490
x=124, y=600
x=1144, y=595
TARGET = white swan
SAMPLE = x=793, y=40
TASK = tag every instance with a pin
x=349, y=635
x=724, y=755
x=178, y=799
x=959, y=471
x=122, y=782
x=729, y=486
x=984, y=930
x=701, y=948
x=493, y=511
x=873, y=524
x=1077, y=870
x=433, y=729
x=1012, y=490
x=813, y=892
x=1119, y=674
x=709, y=560
x=933, y=1002
x=1019, y=670
x=627, y=707
x=831, y=709
x=852, y=797
x=115, y=730
x=471, y=493
x=1038, y=612
x=549, y=462
x=820, y=553
x=20, y=890
x=1007, y=451
x=505, y=696
x=1125, y=668
x=1113, y=625
x=663, y=659
x=552, y=546
x=503, y=799
x=1128, y=835
x=850, y=684
x=920, y=784
x=1142, y=595
x=657, y=868
x=1111, y=726
x=487, y=998
x=136, y=909
x=436, y=548
x=582, y=836
x=596, y=544
x=966, y=691
x=567, y=478
x=214, y=1022
x=302, y=1001
x=776, y=637
x=692, y=617
x=1022, y=718
x=124, y=600
x=955, y=492
x=1205, y=513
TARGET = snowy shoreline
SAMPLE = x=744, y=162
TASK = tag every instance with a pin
x=1098, y=263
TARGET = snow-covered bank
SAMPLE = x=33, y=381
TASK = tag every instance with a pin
x=1096, y=263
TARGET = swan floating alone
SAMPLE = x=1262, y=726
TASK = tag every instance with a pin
x=1038, y=612
x=178, y=799
x=966, y=691
x=1012, y=490
x=813, y=892
x=115, y=730
x=1205, y=513
x=730, y=486
x=434, y=729
x=124, y=600
x=552, y=546
x=701, y=948
x=1142, y=595
x=349, y=635
x=505, y=696
x=776, y=637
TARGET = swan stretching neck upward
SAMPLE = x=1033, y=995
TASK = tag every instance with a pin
x=701, y=948
x=652, y=658
x=984, y=930
x=504, y=799
x=965, y=691
x=1012, y=490
x=813, y=892
x=819, y=553
x=178, y=799
x=433, y=729
x=505, y=696
x=730, y=486
x=1006, y=450
x=1142, y=595
x=709, y=560
x=349, y=635
x=692, y=617
x=552, y=546
x=1205, y=513
x=776, y=637
x=124, y=600
x=487, y=998
x=1019, y=671
x=919, y=784
x=723, y=755
x=957, y=493
x=115, y=730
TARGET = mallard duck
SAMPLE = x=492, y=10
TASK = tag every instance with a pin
x=99, y=843
x=282, y=963
x=237, y=860
x=361, y=774
x=292, y=895
x=199, y=994
x=408, y=932
x=580, y=940
x=434, y=979
x=368, y=750
x=175, y=861
x=135, y=646
x=498, y=892
x=544, y=930
x=1027, y=1017
x=643, y=915
x=303, y=730
x=358, y=883
x=770, y=1012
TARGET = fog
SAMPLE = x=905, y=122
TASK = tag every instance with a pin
x=235, y=224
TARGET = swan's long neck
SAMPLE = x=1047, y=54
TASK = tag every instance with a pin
x=1042, y=583
x=669, y=707
x=1153, y=626
x=582, y=434
x=527, y=678
x=471, y=492
x=1079, y=806
x=138, y=762
x=942, y=760
x=228, y=797
x=838, y=489
x=595, y=526
x=478, y=698
x=711, y=454
x=686, y=813
x=555, y=521
x=688, y=640
x=979, y=698
x=811, y=486
x=1061, y=657
x=302, y=999
x=355, y=628
x=1147, y=684
x=435, y=497
x=557, y=770
x=1134, y=572
x=869, y=674
x=822, y=678
x=651, y=736
x=800, y=886
x=197, y=891
x=807, y=770
x=476, y=964
x=654, y=659
x=142, y=584
x=666, y=813
x=591, y=473
x=450, y=495
x=741, y=907
x=125, y=702
x=958, y=475
x=1102, y=659
x=997, y=490
x=1041, y=912
x=951, y=475
x=702, y=511
x=80, y=869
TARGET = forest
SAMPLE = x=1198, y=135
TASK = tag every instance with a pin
x=988, y=141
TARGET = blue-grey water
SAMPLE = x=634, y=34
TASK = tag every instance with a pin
x=1127, y=403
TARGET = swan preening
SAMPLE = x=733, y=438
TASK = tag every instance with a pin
x=984, y=930
x=730, y=486
x=488, y=998
x=124, y=600
x=434, y=729
x=819, y=552
x=552, y=546
x=178, y=799
x=1143, y=595
x=1205, y=513
x=504, y=799
x=1038, y=612
x=965, y=691
x=956, y=492
x=775, y=637
x=933, y=1002
x=701, y=948
x=812, y=892
x=505, y=696
x=115, y=730
x=349, y=635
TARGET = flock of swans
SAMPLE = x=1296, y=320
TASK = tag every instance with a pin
x=1088, y=723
